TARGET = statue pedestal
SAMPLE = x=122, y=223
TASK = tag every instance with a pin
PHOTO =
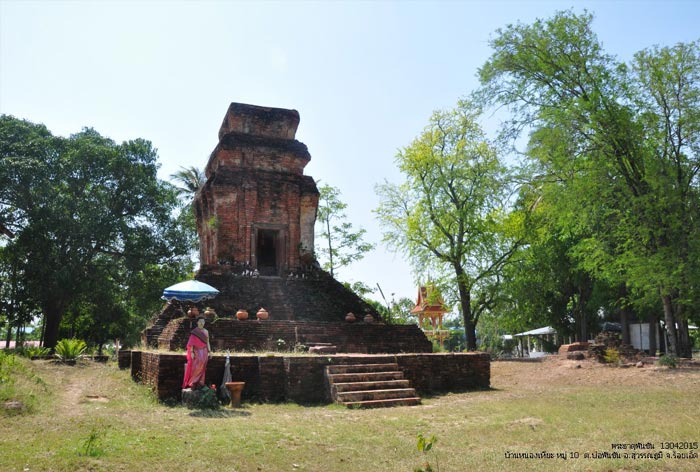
x=235, y=389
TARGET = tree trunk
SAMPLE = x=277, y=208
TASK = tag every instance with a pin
x=670, y=322
x=684, y=347
x=330, y=245
x=53, y=312
x=625, y=314
x=653, y=325
x=585, y=292
x=465, y=301
x=624, y=322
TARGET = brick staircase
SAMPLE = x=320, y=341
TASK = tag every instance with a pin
x=152, y=333
x=370, y=386
x=277, y=303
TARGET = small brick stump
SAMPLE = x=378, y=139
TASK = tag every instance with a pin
x=573, y=347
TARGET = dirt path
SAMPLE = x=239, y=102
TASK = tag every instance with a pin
x=73, y=386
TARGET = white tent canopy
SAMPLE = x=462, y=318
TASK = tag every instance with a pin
x=538, y=332
x=536, y=339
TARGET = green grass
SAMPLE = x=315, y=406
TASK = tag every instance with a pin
x=93, y=417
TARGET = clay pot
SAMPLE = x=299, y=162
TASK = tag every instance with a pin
x=242, y=314
x=350, y=318
x=262, y=314
x=193, y=312
x=368, y=318
x=235, y=389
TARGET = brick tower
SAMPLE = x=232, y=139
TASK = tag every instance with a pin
x=255, y=219
x=257, y=207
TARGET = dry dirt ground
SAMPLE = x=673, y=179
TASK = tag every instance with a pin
x=557, y=371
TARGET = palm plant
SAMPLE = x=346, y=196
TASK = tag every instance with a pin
x=69, y=350
x=188, y=181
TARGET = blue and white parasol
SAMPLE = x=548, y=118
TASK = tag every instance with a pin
x=189, y=291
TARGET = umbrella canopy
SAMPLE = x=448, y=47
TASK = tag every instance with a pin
x=190, y=291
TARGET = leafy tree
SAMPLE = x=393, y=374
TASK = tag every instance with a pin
x=86, y=211
x=450, y=215
x=667, y=92
x=337, y=243
x=618, y=148
x=16, y=306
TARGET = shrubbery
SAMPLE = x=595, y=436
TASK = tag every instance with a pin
x=612, y=356
x=670, y=361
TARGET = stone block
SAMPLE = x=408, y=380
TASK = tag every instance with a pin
x=260, y=121
x=578, y=346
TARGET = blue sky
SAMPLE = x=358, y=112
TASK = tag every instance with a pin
x=364, y=76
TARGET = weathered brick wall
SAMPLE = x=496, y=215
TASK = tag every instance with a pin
x=301, y=378
x=232, y=206
x=253, y=335
x=315, y=297
x=446, y=372
x=255, y=181
x=263, y=121
x=124, y=359
x=136, y=367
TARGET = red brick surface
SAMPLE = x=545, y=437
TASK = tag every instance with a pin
x=255, y=182
x=301, y=378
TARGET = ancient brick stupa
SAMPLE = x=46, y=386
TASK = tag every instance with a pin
x=255, y=219
x=257, y=207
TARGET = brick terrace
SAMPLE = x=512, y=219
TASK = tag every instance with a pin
x=301, y=379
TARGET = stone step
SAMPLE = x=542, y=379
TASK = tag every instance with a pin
x=370, y=386
x=367, y=395
x=364, y=377
x=379, y=385
x=384, y=403
x=354, y=368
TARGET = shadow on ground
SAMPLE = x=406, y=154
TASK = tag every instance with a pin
x=219, y=413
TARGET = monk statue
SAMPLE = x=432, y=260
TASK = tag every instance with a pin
x=198, y=351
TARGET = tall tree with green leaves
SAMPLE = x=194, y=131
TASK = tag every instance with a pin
x=604, y=140
x=451, y=214
x=338, y=244
x=84, y=209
